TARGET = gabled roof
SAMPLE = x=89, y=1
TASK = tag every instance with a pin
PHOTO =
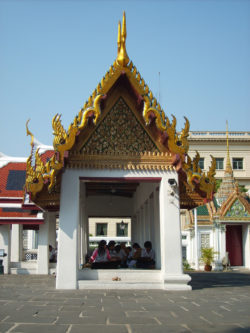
x=236, y=207
x=162, y=148
x=12, y=181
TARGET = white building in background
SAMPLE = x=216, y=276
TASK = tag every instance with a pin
x=109, y=228
x=223, y=224
x=214, y=143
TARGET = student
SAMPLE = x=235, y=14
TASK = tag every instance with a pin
x=101, y=256
x=52, y=254
x=136, y=254
x=123, y=254
x=147, y=259
x=111, y=248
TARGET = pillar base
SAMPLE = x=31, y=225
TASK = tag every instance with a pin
x=176, y=282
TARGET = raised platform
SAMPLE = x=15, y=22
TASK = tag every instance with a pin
x=29, y=267
x=130, y=279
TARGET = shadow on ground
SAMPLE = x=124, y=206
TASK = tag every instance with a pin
x=201, y=280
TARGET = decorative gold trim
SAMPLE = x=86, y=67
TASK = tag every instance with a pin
x=143, y=161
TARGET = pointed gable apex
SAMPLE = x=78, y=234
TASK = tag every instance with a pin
x=235, y=207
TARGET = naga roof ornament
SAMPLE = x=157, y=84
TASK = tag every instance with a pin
x=173, y=143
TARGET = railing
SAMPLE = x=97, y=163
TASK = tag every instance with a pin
x=219, y=133
x=30, y=255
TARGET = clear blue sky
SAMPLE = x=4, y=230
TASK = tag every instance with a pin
x=54, y=53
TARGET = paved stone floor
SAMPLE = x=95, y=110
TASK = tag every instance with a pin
x=219, y=302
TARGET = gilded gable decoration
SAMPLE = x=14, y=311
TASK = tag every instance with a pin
x=121, y=133
x=122, y=136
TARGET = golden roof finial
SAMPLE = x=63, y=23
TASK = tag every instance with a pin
x=122, y=57
x=29, y=133
x=228, y=163
x=119, y=37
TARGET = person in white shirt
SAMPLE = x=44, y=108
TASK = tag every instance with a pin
x=147, y=259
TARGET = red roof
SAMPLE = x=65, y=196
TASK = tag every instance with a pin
x=12, y=180
x=4, y=173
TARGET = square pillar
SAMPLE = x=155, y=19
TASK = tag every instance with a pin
x=157, y=238
x=83, y=237
x=67, y=257
x=133, y=228
x=43, y=247
x=16, y=242
x=52, y=229
x=147, y=221
x=151, y=220
x=5, y=245
x=171, y=251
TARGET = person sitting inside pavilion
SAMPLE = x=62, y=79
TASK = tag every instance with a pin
x=147, y=259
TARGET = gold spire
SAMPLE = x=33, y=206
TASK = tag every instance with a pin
x=122, y=57
x=228, y=163
x=29, y=133
x=119, y=37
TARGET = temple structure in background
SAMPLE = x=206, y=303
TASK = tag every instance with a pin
x=223, y=223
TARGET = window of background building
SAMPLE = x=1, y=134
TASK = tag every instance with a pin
x=219, y=163
x=238, y=163
x=201, y=163
x=101, y=229
x=122, y=231
x=184, y=252
x=205, y=240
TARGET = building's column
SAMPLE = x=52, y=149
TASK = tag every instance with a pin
x=16, y=242
x=6, y=246
x=157, y=238
x=140, y=227
x=246, y=245
x=67, y=258
x=43, y=246
x=217, y=247
x=222, y=241
x=151, y=220
x=83, y=225
x=147, y=221
x=52, y=229
x=143, y=225
x=137, y=229
x=171, y=253
x=133, y=228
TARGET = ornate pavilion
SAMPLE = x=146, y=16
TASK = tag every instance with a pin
x=120, y=144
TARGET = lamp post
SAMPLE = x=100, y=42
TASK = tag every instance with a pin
x=122, y=227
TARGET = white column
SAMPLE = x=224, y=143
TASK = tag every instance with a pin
x=140, y=227
x=223, y=241
x=171, y=253
x=16, y=242
x=83, y=226
x=157, y=238
x=246, y=245
x=67, y=258
x=151, y=220
x=43, y=246
x=147, y=221
x=52, y=228
x=133, y=228
x=143, y=225
x=137, y=229
x=5, y=245
x=196, y=246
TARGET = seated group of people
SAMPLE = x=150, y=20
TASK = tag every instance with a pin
x=120, y=256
